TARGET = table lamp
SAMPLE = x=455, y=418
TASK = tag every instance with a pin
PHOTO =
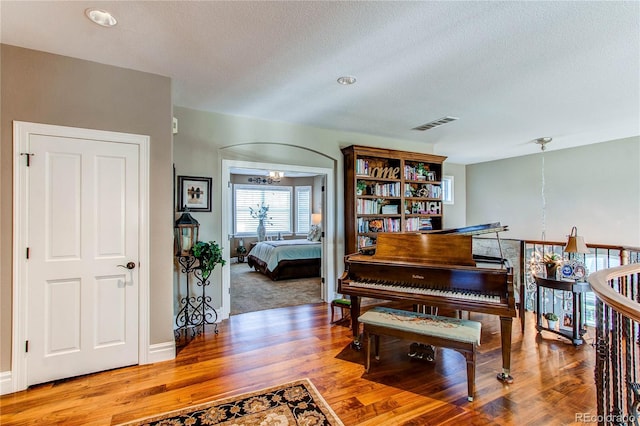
x=575, y=243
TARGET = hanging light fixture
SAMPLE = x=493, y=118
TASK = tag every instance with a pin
x=276, y=176
x=543, y=143
x=272, y=177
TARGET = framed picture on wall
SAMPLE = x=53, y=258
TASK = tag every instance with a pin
x=194, y=193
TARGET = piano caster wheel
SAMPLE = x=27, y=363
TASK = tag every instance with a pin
x=505, y=378
x=356, y=345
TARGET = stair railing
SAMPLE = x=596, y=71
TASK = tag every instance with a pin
x=617, y=343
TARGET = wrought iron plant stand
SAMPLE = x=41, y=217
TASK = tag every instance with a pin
x=196, y=311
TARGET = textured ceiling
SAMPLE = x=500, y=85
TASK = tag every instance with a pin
x=511, y=71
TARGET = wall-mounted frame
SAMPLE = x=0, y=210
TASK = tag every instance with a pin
x=194, y=193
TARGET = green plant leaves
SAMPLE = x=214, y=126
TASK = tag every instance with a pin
x=209, y=255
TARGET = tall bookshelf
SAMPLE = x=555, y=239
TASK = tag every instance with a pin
x=389, y=191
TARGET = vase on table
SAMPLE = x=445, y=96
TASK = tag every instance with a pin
x=262, y=232
x=551, y=268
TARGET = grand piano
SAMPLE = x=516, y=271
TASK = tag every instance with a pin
x=434, y=269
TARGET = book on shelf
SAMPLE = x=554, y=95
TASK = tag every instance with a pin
x=365, y=206
x=390, y=209
x=387, y=189
x=425, y=224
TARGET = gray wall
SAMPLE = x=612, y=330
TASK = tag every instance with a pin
x=52, y=89
x=595, y=187
x=455, y=214
x=204, y=139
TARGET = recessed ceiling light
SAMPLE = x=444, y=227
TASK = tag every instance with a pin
x=101, y=17
x=346, y=80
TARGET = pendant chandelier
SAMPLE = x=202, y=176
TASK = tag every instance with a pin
x=543, y=143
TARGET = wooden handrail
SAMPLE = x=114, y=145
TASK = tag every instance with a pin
x=599, y=282
x=589, y=245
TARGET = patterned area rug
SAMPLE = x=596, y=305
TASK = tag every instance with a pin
x=292, y=404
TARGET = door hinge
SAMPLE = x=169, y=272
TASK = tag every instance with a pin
x=27, y=252
x=229, y=184
x=28, y=154
x=26, y=346
x=322, y=280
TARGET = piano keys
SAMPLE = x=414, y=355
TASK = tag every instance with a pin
x=435, y=270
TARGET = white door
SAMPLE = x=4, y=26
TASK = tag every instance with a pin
x=82, y=267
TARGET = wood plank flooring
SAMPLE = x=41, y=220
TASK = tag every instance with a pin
x=553, y=379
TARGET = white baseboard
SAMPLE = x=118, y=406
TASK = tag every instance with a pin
x=6, y=382
x=156, y=353
x=161, y=352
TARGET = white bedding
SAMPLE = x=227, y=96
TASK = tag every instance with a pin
x=272, y=252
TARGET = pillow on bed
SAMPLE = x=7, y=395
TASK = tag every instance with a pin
x=314, y=233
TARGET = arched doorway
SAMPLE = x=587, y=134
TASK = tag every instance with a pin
x=244, y=156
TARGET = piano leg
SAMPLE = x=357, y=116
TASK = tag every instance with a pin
x=355, y=327
x=505, y=334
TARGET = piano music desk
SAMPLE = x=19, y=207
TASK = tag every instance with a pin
x=453, y=333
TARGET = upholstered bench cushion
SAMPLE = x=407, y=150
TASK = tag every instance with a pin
x=432, y=325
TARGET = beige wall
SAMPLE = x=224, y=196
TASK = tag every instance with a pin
x=595, y=187
x=52, y=89
x=455, y=214
x=205, y=139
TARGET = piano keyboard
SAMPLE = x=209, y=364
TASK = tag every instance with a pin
x=450, y=293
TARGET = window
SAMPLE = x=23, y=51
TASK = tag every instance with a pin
x=277, y=198
x=303, y=209
x=447, y=189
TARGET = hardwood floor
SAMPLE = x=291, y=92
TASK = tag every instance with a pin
x=553, y=379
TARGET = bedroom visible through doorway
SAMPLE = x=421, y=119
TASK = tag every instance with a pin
x=296, y=206
x=252, y=291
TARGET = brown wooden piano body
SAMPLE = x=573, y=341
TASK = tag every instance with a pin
x=435, y=270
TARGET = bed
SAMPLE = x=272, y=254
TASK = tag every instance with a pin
x=286, y=259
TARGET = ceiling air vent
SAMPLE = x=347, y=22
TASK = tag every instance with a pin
x=435, y=123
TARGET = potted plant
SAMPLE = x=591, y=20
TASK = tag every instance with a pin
x=552, y=319
x=209, y=255
x=241, y=251
x=421, y=171
x=551, y=262
x=361, y=187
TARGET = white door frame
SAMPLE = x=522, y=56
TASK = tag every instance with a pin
x=21, y=134
x=328, y=222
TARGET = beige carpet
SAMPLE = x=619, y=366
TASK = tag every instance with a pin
x=251, y=291
x=292, y=404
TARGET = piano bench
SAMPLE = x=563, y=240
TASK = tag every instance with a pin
x=453, y=333
x=344, y=305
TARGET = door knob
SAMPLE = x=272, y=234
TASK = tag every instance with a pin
x=130, y=265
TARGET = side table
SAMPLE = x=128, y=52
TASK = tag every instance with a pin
x=577, y=289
